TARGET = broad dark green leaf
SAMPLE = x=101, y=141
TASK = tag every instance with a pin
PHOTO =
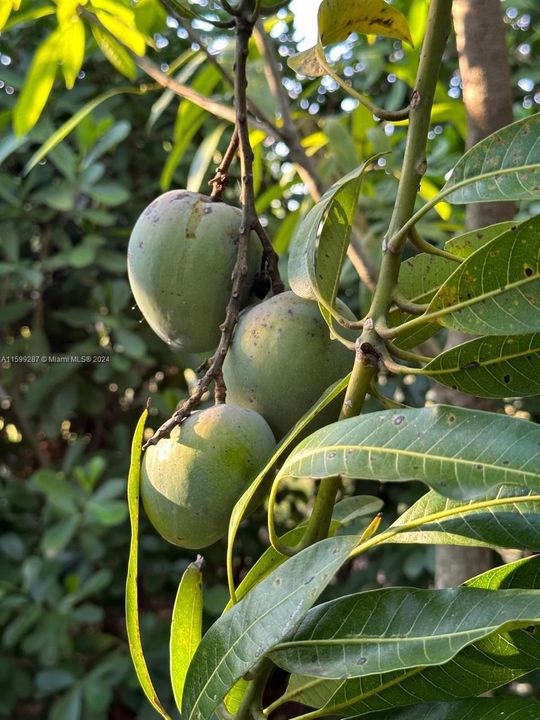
x=186, y=627
x=268, y=614
x=489, y=663
x=475, y=709
x=379, y=631
x=491, y=367
x=511, y=160
x=509, y=519
x=320, y=241
x=455, y=451
x=132, y=593
x=496, y=291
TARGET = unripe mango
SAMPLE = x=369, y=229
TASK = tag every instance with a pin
x=181, y=256
x=282, y=359
x=191, y=481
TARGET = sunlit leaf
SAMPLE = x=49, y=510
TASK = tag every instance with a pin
x=37, y=85
x=132, y=593
x=339, y=18
x=186, y=627
x=72, y=51
x=510, y=519
x=115, y=53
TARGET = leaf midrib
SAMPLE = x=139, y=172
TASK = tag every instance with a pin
x=306, y=454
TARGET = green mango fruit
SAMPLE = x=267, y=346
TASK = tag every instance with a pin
x=191, y=481
x=181, y=256
x=282, y=359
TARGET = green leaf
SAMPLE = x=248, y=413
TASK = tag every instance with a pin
x=504, y=166
x=489, y=663
x=453, y=450
x=115, y=53
x=37, y=85
x=465, y=244
x=203, y=158
x=110, y=139
x=339, y=18
x=380, y=631
x=240, y=509
x=5, y=12
x=496, y=291
x=65, y=129
x=310, y=62
x=351, y=508
x=510, y=519
x=491, y=367
x=132, y=593
x=186, y=627
x=71, y=50
x=474, y=709
x=124, y=30
x=321, y=239
x=237, y=641
x=69, y=706
x=59, y=535
x=271, y=559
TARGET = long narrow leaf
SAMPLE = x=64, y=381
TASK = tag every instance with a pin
x=186, y=627
x=132, y=594
x=68, y=127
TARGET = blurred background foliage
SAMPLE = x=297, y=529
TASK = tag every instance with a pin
x=66, y=427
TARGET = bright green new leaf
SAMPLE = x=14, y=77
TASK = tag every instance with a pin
x=455, y=451
x=37, y=85
x=502, y=708
x=115, y=53
x=491, y=367
x=504, y=166
x=483, y=666
x=5, y=12
x=186, y=627
x=267, y=615
x=496, y=291
x=510, y=519
x=339, y=18
x=132, y=593
x=379, y=631
x=123, y=30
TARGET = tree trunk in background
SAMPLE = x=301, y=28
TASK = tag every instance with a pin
x=487, y=94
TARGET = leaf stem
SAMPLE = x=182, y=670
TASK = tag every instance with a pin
x=424, y=246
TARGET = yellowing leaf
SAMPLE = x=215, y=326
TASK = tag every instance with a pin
x=339, y=18
x=5, y=11
x=308, y=63
x=37, y=86
x=115, y=53
x=428, y=191
x=121, y=30
x=72, y=50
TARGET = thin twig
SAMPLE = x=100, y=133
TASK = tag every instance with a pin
x=219, y=181
x=250, y=222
